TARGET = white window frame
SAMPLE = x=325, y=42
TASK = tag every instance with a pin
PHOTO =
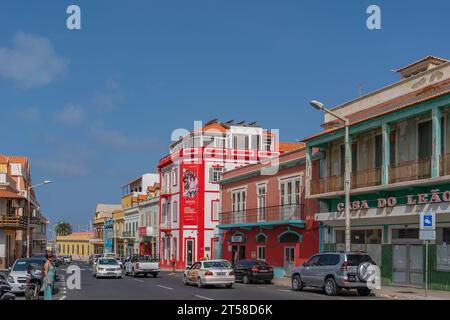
x=216, y=174
x=258, y=256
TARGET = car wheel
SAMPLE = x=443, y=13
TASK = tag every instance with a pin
x=330, y=287
x=145, y=275
x=246, y=280
x=268, y=282
x=185, y=281
x=364, y=292
x=133, y=274
x=199, y=283
x=297, y=284
x=229, y=286
x=155, y=275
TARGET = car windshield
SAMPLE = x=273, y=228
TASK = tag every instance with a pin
x=110, y=262
x=216, y=264
x=357, y=259
x=22, y=265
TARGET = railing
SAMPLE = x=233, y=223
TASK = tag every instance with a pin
x=445, y=164
x=13, y=221
x=410, y=170
x=366, y=178
x=129, y=234
x=265, y=214
x=328, y=184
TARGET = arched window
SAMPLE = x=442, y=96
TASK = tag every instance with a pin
x=261, y=238
x=289, y=237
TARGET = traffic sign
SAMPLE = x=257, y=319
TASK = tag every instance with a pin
x=427, y=221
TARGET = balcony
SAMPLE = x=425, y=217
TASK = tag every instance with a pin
x=328, y=184
x=410, y=170
x=148, y=232
x=445, y=164
x=128, y=235
x=366, y=178
x=12, y=221
x=276, y=215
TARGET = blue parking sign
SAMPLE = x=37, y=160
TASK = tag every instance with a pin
x=427, y=220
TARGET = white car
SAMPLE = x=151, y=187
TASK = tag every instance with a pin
x=210, y=272
x=106, y=268
x=18, y=274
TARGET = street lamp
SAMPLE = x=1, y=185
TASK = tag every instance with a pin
x=29, y=213
x=347, y=168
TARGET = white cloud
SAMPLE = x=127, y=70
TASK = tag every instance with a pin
x=70, y=115
x=110, y=97
x=30, y=61
x=118, y=140
x=31, y=114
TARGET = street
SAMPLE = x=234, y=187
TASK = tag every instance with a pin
x=171, y=287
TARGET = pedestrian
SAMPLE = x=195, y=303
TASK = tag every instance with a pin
x=172, y=262
x=49, y=279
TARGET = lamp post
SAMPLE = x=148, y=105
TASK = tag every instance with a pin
x=29, y=213
x=347, y=169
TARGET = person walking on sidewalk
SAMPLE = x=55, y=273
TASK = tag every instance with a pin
x=172, y=262
x=49, y=280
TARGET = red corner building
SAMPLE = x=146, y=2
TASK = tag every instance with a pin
x=190, y=174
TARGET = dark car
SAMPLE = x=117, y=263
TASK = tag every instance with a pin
x=249, y=271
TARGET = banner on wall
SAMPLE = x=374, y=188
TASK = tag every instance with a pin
x=190, y=195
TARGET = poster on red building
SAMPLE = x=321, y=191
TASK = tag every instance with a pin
x=190, y=193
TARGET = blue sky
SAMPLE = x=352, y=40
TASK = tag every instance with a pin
x=96, y=107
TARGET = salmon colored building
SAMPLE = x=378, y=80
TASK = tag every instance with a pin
x=265, y=215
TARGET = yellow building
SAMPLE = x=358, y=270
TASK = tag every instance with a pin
x=78, y=245
x=119, y=243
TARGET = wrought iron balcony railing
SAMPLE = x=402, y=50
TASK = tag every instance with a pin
x=265, y=214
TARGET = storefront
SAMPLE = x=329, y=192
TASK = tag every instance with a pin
x=387, y=228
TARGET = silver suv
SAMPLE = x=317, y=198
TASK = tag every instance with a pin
x=334, y=271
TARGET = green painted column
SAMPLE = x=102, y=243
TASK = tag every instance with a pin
x=436, y=115
x=386, y=157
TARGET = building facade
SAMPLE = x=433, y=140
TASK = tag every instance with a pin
x=118, y=218
x=77, y=244
x=190, y=177
x=149, y=221
x=135, y=206
x=264, y=214
x=16, y=206
x=103, y=215
x=400, y=145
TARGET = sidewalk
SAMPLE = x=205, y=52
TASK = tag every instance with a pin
x=390, y=292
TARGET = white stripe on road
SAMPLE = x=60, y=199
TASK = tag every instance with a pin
x=284, y=290
x=139, y=280
x=165, y=287
x=202, y=297
x=62, y=298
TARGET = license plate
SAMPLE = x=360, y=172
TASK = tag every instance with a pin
x=220, y=273
x=111, y=273
x=263, y=270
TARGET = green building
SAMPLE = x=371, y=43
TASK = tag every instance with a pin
x=400, y=160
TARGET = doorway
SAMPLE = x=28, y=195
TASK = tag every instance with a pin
x=408, y=264
x=189, y=252
x=237, y=253
x=289, y=260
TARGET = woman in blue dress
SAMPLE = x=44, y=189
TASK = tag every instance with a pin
x=49, y=280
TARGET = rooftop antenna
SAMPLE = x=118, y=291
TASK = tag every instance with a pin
x=229, y=122
x=252, y=124
x=241, y=123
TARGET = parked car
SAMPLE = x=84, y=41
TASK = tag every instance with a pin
x=109, y=255
x=210, y=272
x=106, y=268
x=248, y=271
x=142, y=265
x=93, y=257
x=334, y=271
x=18, y=274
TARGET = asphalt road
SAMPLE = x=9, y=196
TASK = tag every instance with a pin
x=171, y=287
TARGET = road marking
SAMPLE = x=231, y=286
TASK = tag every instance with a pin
x=62, y=298
x=202, y=297
x=165, y=287
x=138, y=280
x=284, y=290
